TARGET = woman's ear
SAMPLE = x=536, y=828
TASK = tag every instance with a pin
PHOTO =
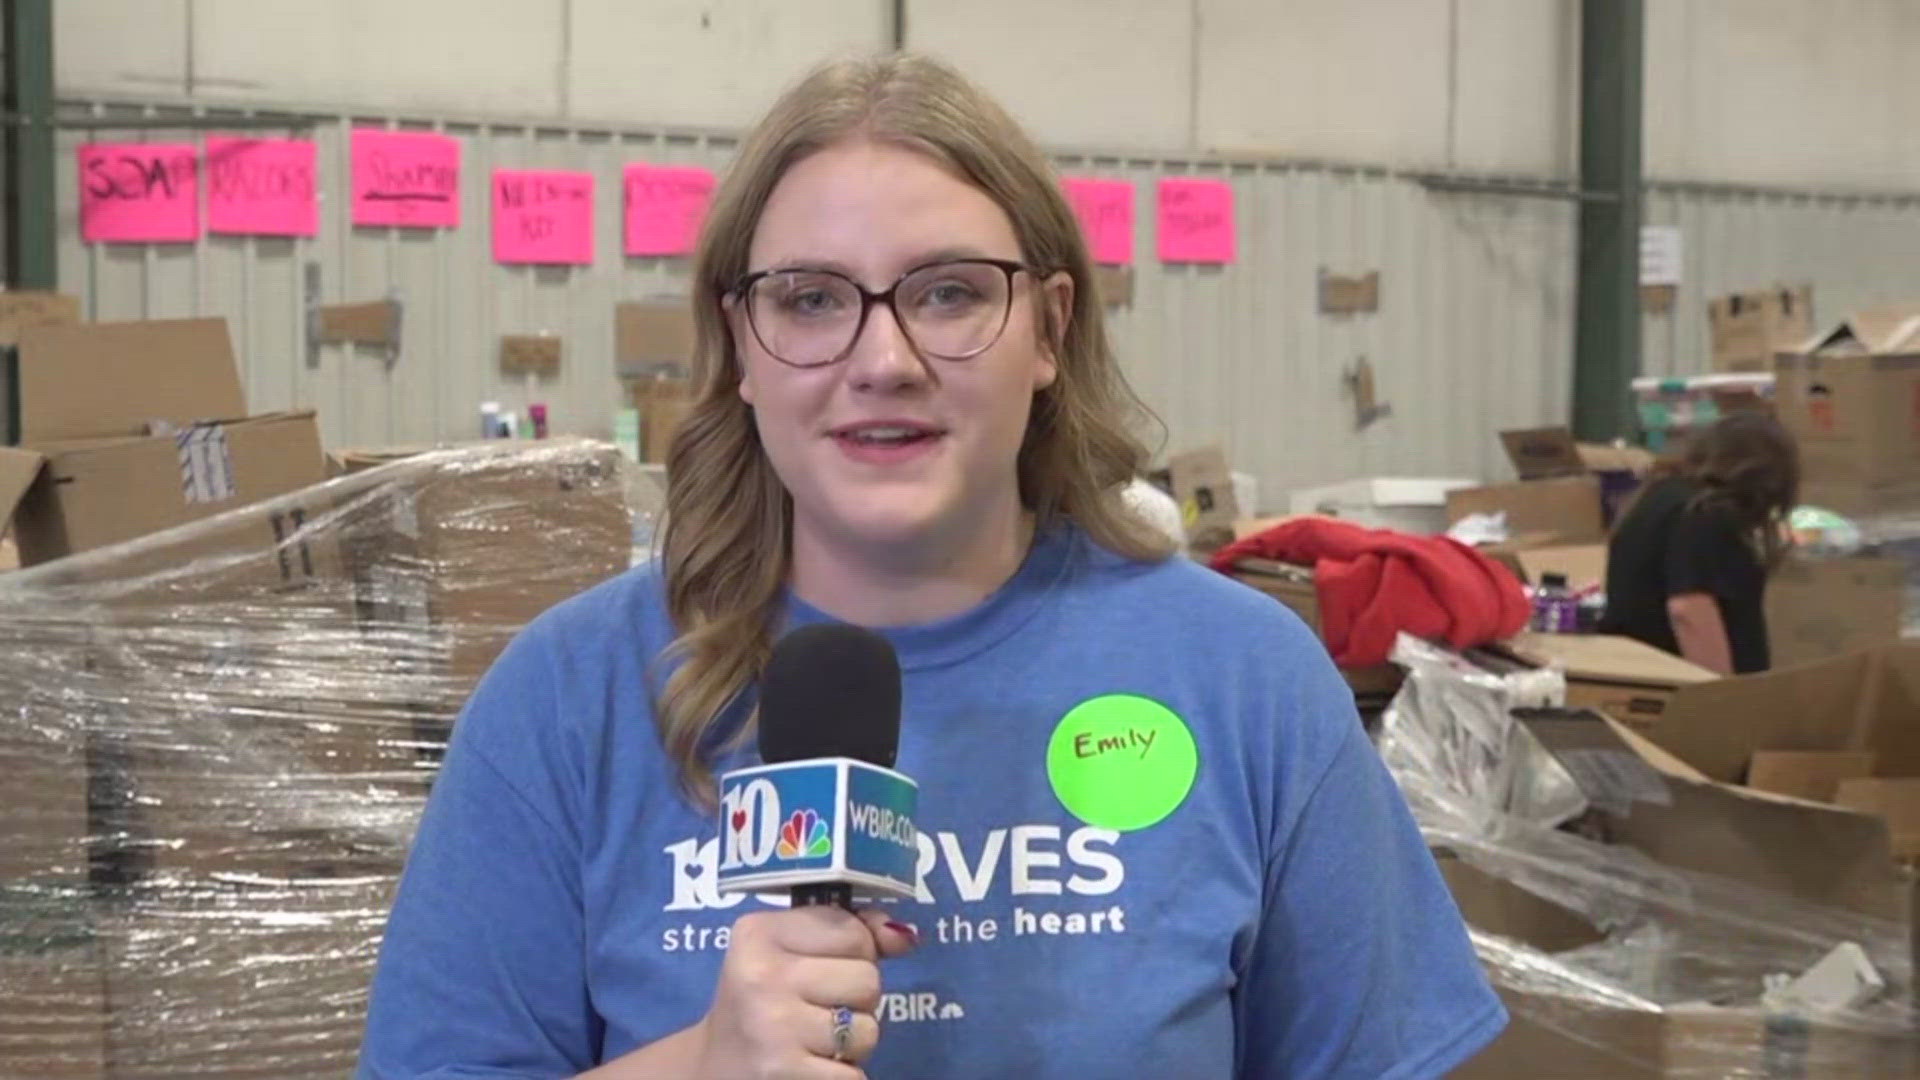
x=1056, y=315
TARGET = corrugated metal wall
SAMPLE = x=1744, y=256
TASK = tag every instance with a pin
x=1855, y=251
x=1473, y=332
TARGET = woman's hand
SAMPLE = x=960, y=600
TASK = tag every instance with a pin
x=784, y=974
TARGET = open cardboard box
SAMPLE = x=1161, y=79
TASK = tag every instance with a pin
x=1630, y=681
x=131, y=428
x=1848, y=396
x=1849, y=725
x=1568, y=491
x=1560, y=1026
x=1818, y=609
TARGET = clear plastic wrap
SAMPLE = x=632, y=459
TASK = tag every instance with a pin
x=216, y=743
x=1614, y=963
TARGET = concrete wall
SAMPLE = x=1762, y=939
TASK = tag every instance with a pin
x=1799, y=92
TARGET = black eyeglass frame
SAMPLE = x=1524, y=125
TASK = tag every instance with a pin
x=868, y=298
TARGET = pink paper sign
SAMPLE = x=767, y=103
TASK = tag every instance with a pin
x=140, y=193
x=665, y=207
x=1105, y=210
x=543, y=217
x=406, y=178
x=1196, y=221
x=262, y=187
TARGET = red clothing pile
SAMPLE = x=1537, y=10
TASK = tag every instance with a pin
x=1374, y=583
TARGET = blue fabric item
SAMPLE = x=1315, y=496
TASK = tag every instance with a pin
x=1285, y=920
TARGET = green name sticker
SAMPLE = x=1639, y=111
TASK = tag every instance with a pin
x=1121, y=762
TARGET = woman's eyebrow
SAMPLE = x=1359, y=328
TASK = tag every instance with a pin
x=948, y=253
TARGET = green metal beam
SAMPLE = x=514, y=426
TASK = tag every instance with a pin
x=30, y=261
x=1606, y=353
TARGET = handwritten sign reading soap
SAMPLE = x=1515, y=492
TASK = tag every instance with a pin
x=1105, y=210
x=262, y=187
x=1196, y=221
x=665, y=206
x=406, y=178
x=543, y=217
x=140, y=193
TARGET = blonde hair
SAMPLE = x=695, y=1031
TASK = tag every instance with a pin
x=726, y=543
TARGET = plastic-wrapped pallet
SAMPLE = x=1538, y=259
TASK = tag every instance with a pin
x=217, y=742
x=1618, y=954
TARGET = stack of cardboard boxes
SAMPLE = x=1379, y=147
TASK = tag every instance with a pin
x=220, y=733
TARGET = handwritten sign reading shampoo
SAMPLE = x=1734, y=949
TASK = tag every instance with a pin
x=406, y=178
x=543, y=217
x=140, y=193
x=665, y=206
x=1196, y=221
x=262, y=187
x=1105, y=210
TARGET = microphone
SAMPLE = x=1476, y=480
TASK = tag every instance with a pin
x=825, y=817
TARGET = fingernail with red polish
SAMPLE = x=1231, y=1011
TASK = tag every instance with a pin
x=904, y=928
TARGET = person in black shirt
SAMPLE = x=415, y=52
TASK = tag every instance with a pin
x=1688, y=562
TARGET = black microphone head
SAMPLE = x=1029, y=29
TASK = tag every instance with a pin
x=831, y=690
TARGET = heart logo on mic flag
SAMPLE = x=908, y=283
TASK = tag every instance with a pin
x=804, y=835
x=739, y=820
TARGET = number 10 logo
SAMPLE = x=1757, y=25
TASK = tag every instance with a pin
x=750, y=824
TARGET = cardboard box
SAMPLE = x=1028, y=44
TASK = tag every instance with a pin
x=663, y=404
x=1566, y=510
x=1561, y=1027
x=53, y=1011
x=1895, y=799
x=248, y=980
x=511, y=537
x=1865, y=702
x=1849, y=397
x=1747, y=329
x=1203, y=486
x=653, y=335
x=43, y=824
x=1817, y=609
x=89, y=474
x=1583, y=565
x=1630, y=681
x=19, y=310
x=1814, y=775
x=1550, y=452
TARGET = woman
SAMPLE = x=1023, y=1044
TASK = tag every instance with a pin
x=908, y=418
x=1688, y=563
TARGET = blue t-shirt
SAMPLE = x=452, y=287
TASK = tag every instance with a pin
x=1283, y=920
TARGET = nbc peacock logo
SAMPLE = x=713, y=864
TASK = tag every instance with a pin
x=804, y=836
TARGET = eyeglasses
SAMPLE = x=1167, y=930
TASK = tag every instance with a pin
x=953, y=310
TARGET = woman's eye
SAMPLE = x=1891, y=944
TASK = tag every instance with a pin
x=810, y=302
x=949, y=294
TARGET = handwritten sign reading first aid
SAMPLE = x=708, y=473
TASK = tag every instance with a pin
x=408, y=179
x=1105, y=210
x=543, y=217
x=1196, y=221
x=140, y=193
x=262, y=187
x=666, y=205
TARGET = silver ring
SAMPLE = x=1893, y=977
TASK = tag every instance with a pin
x=842, y=1031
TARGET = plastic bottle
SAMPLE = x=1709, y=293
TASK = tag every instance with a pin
x=1555, y=609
